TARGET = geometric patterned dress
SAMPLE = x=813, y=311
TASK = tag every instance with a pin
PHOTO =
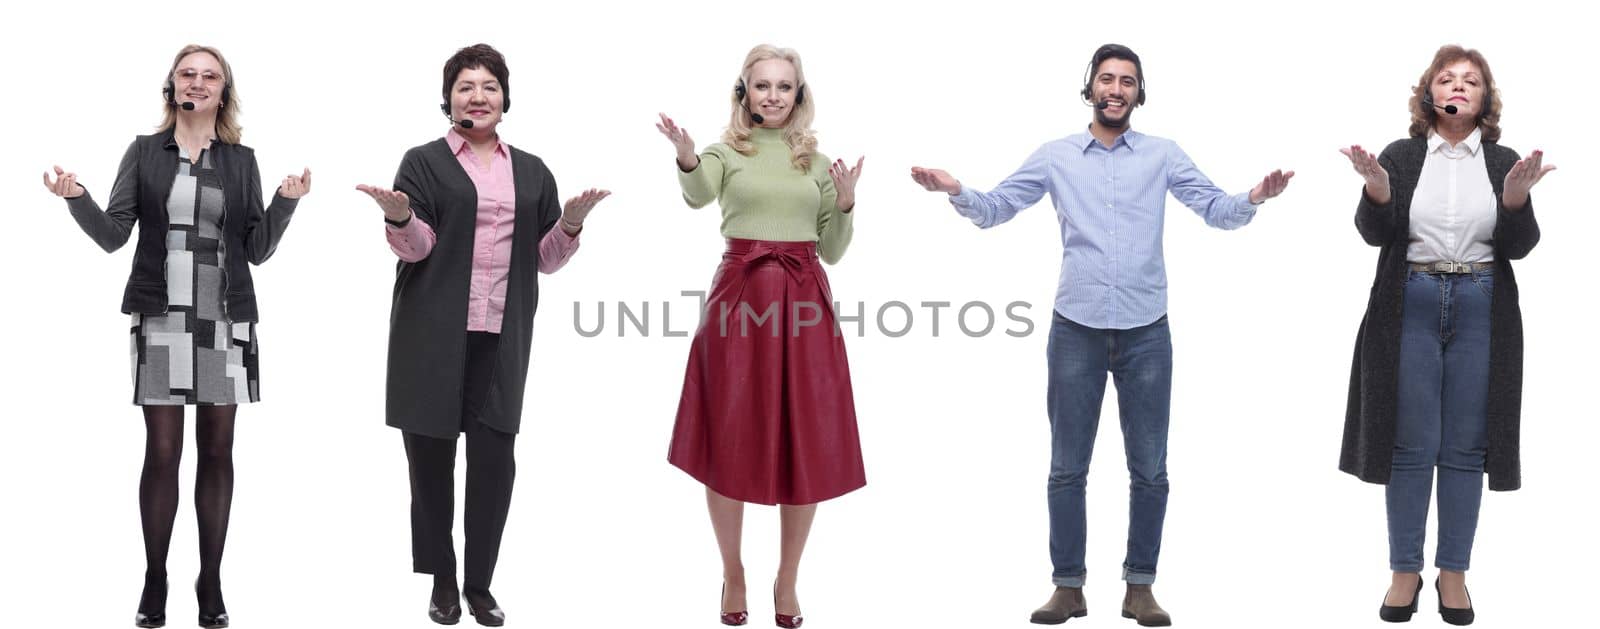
x=192, y=354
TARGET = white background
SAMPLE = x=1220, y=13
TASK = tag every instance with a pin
x=1262, y=530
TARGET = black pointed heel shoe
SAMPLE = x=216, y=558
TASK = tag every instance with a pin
x=1401, y=613
x=1452, y=615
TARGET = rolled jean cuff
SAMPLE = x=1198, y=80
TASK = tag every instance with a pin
x=1451, y=566
x=1406, y=567
x=1138, y=578
x=1069, y=582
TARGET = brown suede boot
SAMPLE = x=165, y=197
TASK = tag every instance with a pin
x=1140, y=605
x=1063, y=604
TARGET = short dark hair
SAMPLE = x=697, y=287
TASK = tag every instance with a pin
x=473, y=57
x=1113, y=51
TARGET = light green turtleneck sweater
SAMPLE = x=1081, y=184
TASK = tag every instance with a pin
x=765, y=198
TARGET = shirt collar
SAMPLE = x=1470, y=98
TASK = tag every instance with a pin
x=458, y=143
x=1083, y=141
x=1472, y=144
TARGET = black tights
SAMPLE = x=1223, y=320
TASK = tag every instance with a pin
x=213, y=496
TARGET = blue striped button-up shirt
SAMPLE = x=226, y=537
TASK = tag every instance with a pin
x=1110, y=202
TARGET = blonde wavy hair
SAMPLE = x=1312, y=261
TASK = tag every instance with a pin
x=797, y=131
x=1424, y=117
x=228, y=129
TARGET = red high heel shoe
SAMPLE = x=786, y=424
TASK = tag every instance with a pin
x=784, y=620
x=733, y=619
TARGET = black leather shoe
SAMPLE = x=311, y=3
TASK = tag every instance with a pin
x=490, y=615
x=217, y=620
x=153, y=597
x=1452, y=615
x=1401, y=613
x=447, y=615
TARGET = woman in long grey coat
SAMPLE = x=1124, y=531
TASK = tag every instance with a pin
x=1437, y=376
x=474, y=221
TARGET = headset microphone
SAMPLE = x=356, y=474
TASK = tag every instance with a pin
x=1427, y=99
x=463, y=123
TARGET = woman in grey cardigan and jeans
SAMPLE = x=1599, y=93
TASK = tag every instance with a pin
x=1437, y=376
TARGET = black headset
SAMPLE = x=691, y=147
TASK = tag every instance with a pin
x=1427, y=101
x=505, y=102
x=170, y=91
x=1111, y=51
x=799, y=97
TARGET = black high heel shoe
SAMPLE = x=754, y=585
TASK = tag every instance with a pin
x=489, y=616
x=213, y=621
x=1402, y=613
x=1452, y=615
x=210, y=620
x=151, y=619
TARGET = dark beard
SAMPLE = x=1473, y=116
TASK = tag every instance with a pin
x=1111, y=123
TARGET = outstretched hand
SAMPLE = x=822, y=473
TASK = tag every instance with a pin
x=65, y=185
x=844, y=182
x=1521, y=178
x=396, y=205
x=681, y=142
x=1272, y=185
x=935, y=180
x=577, y=209
x=295, y=187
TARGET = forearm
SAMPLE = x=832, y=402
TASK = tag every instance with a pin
x=1516, y=231
x=983, y=209
x=108, y=231
x=556, y=249
x=411, y=240
x=1374, y=220
x=264, y=234
x=835, y=236
x=702, y=183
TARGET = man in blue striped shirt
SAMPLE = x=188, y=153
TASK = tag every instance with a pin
x=1109, y=188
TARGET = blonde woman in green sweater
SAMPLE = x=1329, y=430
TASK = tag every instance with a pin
x=767, y=414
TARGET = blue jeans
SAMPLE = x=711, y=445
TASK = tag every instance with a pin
x=1140, y=360
x=1441, y=417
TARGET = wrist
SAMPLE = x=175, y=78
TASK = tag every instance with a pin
x=399, y=220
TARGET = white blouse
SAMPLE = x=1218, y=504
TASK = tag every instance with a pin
x=1453, y=207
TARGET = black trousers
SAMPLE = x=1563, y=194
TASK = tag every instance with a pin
x=491, y=469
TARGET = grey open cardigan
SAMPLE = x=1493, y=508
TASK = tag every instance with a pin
x=428, y=320
x=1369, y=429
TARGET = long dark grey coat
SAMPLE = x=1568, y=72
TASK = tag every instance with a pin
x=1369, y=429
x=428, y=319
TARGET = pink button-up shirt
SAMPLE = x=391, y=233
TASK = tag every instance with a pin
x=491, y=246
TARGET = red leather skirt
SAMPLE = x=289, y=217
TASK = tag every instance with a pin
x=767, y=414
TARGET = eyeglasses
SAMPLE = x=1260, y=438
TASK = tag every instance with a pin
x=191, y=76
